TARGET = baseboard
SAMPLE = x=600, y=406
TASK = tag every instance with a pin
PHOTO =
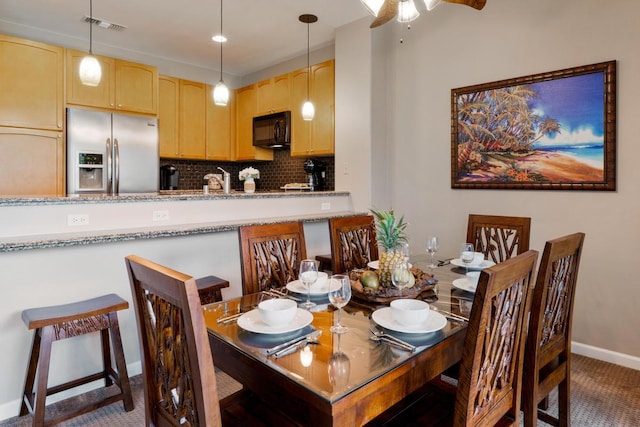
x=605, y=355
x=11, y=409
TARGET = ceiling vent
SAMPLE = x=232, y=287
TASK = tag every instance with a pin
x=105, y=24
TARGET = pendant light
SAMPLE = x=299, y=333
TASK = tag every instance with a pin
x=308, y=110
x=90, y=71
x=221, y=91
x=407, y=11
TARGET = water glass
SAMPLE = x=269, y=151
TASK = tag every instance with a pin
x=467, y=254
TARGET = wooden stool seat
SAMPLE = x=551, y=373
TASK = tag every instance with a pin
x=65, y=321
x=210, y=289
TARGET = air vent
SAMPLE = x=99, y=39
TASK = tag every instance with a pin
x=105, y=24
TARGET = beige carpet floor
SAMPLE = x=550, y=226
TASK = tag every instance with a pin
x=602, y=395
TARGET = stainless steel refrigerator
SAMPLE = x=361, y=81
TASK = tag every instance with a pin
x=111, y=153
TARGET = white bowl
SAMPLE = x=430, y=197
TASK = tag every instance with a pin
x=277, y=312
x=319, y=284
x=409, y=311
x=473, y=277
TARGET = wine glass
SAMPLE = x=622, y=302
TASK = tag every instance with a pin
x=404, y=247
x=339, y=296
x=308, y=275
x=432, y=248
x=400, y=276
x=467, y=254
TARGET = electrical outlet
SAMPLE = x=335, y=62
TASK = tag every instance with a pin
x=345, y=168
x=78, y=219
x=161, y=215
x=325, y=206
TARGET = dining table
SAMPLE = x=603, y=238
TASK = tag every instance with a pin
x=329, y=379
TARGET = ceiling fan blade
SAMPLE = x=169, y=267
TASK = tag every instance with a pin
x=386, y=13
x=476, y=4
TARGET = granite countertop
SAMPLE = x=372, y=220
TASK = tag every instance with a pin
x=173, y=195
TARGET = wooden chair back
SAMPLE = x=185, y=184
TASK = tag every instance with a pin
x=490, y=375
x=548, y=349
x=177, y=366
x=499, y=237
x=270, y=255
x=353, y=242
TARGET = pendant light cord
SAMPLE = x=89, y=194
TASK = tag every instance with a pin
x=221, y=43
x=90, y=27
x=308, y=63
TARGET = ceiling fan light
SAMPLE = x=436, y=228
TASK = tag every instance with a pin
x=221, y=94
x=308, y=111
x=90, y=71
x=373, y=6
x=432, y=4
x=407, y=11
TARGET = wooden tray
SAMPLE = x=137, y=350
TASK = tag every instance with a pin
x=424, y=282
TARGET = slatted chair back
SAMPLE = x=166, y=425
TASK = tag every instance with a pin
x=177, y=366
x=270, y=255
x=490, y=376
x=499, y=237
x=548, y=349
x=353, y=242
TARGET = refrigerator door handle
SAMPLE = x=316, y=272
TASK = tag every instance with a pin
x=109, y=167
x=116, y=166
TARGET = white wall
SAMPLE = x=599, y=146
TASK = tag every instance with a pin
x=455, y=46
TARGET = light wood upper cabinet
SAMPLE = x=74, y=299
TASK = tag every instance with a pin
x=168, y=101
x=36, y=165
x=315, y=137
x=274, y=94
x=125, y=86
x=31, y=84
x=136, y=87
x=246, y=107
x=193, y=115
x=101, y=96
x=219, y=128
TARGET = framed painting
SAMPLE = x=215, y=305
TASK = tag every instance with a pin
x=549, y=131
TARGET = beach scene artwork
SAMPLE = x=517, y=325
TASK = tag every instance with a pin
x=551, y=131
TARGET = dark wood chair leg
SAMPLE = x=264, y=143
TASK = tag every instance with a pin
x=27, y=393
x=44, y=360
x=121, y=365
x=106, y=356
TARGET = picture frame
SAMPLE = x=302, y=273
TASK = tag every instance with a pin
x=547, y=131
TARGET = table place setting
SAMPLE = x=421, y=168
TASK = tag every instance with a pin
x=275, y=316
x=409, y=316
x=469, y=283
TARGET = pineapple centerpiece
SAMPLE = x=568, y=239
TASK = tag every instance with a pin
x=390, y=233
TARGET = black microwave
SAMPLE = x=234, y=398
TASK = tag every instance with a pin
x=272, y=130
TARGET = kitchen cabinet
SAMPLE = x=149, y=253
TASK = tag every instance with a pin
x=273, y=95
x=125, y=86
x=246, y=106
x=219, y=128
x=181, y=118
x=36, y=162
x=315, y=137
x=192, y=118
x=31, y=84
x=168, y=135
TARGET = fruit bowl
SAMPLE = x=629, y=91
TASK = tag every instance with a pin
x=424, y=282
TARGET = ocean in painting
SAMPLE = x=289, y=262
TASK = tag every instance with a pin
x=588, y=153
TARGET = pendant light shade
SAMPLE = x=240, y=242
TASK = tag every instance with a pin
x=221, y=91
x=308, y=110
x=431, y=4
x=90, y=72
x=407, y=11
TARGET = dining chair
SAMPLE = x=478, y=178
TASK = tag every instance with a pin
x=353, y=242
x=499, y=237
x=547, y=362
x=270, y=255
x=177, y=366
x=490, y=380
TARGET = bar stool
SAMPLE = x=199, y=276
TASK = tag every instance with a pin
x=210, y=289
x=65, y=321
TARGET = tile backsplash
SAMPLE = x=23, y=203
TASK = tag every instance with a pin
x=284, y=169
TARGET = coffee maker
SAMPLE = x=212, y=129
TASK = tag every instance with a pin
x=316, y=173
x=169, y=176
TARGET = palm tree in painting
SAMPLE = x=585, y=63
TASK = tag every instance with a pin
x=499, y=122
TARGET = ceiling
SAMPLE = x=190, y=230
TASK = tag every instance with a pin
x=261, y=33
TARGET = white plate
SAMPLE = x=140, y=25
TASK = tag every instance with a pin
x=252, y=322
x=435, y=321
x=484, y=264
x=465, y=285
x=297, y=287
x=374, y=265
